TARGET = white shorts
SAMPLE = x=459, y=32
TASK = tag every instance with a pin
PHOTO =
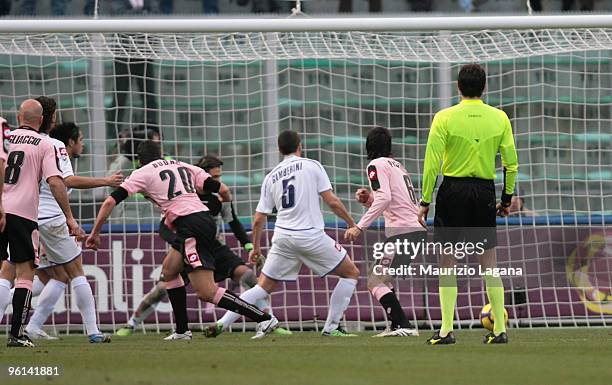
x=60, y=247
x=319, y=252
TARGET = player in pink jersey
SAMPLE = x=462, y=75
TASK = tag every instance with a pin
x=393, y=197
x=31, y=158
x=173, y=186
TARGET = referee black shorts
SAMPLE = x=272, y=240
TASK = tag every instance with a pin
x=465, y=211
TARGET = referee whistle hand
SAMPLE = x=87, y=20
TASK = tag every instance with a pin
x=502, y=211
x=423, y=211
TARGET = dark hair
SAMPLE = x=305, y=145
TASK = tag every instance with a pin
x=49, y=107
x=148, y=151
x=208, y=162
x=288, y=142
x=472, y=80
x=65, y=131
x=378, y=143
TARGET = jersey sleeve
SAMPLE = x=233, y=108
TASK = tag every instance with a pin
x=266, y=200
x=323, y=183
x=199, y=175
x=436, y=144
x=6, y=139
x=509, y=160
x=136, y=182
x=380, y=185
x=64, y=162
x=50, y=161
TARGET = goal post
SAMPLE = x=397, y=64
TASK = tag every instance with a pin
x=228, y=86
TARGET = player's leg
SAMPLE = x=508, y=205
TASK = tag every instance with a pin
x=85, y=300
x=22, y=235
x=207, y=290
x=341, y=297
x=447, y=290
x=177, y=294
x=145, y=308
x=50, y=294
x=495, y=293
x=7, y=277
x=21, y=303
x=246, y=278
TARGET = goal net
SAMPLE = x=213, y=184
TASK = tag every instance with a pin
x=229, y=94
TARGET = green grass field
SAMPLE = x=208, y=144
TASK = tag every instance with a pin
x=540, y=356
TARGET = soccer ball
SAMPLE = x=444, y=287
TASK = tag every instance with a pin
x=486, y=317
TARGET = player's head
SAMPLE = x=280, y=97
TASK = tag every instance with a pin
x=71, y=135
x=378, y=143
x=471, y=80
x=30, y=114
x=289, y=143
x=212, y=165
x=49, y=107
x=148, y=151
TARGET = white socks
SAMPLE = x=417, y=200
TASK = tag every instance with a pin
x=47, y=299
x=254, y=294
x=37, y=286
x=85, y=303
x=338, y=302
x=5, y=296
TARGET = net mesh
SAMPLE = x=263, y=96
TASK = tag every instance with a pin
x=230, y=94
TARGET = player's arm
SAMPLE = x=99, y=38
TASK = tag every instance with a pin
x=230, y=217
x=363, y=196
x=381, y=189
x=264, y=208
x=436, y=144
x=336, y=205
x=58, y=189
x=82, y=182
x=204, y=182
x=259, y=219
x=2, y=213
x=509, y=160
x=116, y=197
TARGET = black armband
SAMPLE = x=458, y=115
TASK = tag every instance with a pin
x=119, y=195
x=506, y=199
x=423, y=203
x=211, y=185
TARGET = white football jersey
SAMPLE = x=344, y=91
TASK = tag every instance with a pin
x=293, y=187
x=48, y=208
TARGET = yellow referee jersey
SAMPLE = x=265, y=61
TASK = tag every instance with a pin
x=467, y=137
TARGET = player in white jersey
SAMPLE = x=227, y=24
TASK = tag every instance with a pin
x=294, y=188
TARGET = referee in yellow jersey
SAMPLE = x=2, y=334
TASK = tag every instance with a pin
x=466, y=139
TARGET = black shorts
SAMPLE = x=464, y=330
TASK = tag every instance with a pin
x=465, y=211
x=403, y=254
x=196, y=234
x=225, y=260
x=21, y=237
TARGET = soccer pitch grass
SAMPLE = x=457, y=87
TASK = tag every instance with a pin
x=539, y=356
